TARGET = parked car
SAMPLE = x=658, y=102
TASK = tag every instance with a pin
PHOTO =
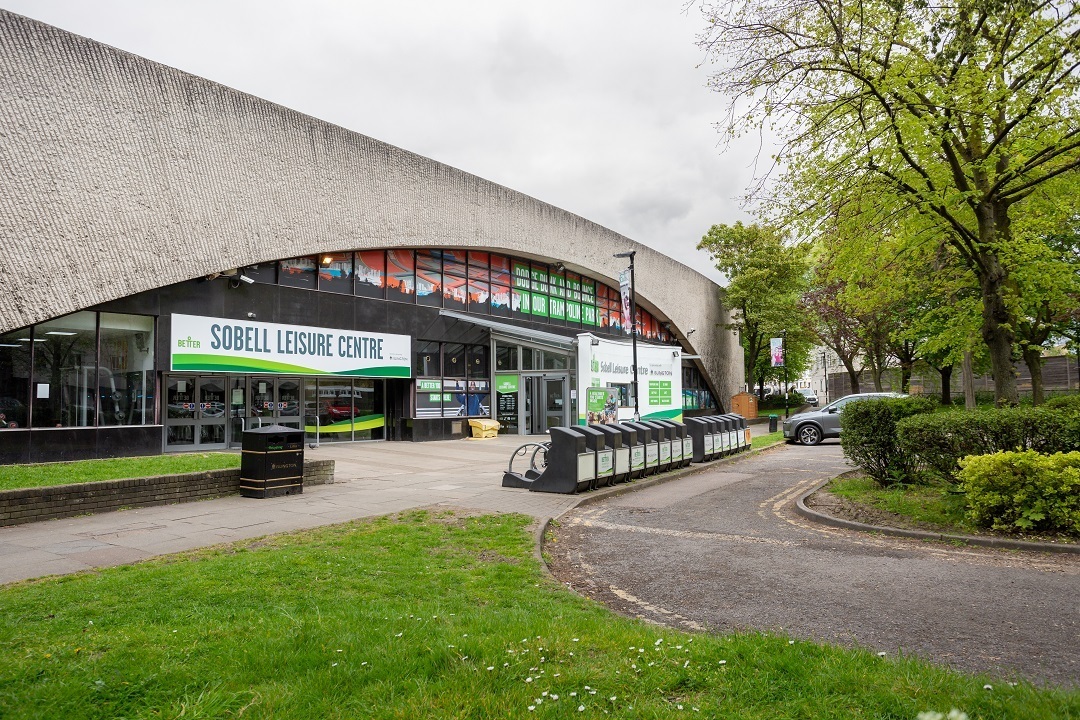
x=810, y=428
x=811, y=397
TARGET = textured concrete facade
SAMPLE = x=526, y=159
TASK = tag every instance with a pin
x=120, y=175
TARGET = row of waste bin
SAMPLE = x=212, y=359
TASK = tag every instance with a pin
x=584, y=457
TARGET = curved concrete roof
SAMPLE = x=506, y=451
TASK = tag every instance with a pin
x=119, y=175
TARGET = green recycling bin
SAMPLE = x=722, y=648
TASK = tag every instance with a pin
x=772, y=423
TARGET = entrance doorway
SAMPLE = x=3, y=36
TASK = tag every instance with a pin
x=545, y=403
x=195, y=413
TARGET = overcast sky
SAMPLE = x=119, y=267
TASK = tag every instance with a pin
x=595, y=106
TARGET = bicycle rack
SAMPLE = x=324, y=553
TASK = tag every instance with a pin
x=537, y=464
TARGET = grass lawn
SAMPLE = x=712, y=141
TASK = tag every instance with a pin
x=933, y=504
x=62, y=473
x=766, y=440
x=425, y=616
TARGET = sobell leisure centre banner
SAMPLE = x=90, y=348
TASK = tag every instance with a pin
x=205, y=344
x=606, y=374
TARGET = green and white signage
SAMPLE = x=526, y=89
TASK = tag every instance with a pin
x=603, y=365
x=506, y=383
x=206, y=344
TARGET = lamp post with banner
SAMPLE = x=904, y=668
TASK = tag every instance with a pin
x=778, y=350
x=624, y=287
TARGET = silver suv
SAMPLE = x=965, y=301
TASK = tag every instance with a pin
x=810, y=428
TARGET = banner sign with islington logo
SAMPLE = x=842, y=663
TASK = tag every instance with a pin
x=205, y=344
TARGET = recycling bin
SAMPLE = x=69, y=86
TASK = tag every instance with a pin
x=663, y=444
x=571, y=466
x=772, y=423
x=596, y=441
x=614, y=440
x=272, y=462
x=682, y=439
x=698, y=431
x=634, y=445
x=650, y=436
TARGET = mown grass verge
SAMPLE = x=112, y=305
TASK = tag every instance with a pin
x=761, y=441
x=937, y=505
x=425, y=616
x=61, y=473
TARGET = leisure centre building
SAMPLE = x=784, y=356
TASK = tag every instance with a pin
x=183, y=262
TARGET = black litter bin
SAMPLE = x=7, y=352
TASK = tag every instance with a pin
x=772, y=423
x=272, y=462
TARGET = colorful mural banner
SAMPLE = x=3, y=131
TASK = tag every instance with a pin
x=207, y=344
x=776, y=348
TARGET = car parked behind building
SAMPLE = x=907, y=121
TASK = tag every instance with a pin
x=810, y=428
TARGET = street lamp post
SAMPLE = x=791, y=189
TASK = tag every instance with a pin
x=633, y=326
x=783, y=349
x=825, y=372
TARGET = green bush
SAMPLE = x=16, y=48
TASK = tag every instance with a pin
x=1069, y=403
x=937, y=442
x=1023, y=490
x=868, y=436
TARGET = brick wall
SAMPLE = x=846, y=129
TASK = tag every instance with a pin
x=59, y=501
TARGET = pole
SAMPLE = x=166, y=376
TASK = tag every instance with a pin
x=783, y=349
x=633, y=334
x=633, y=326
x=825, y=372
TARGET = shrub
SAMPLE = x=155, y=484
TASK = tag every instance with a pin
x=1023, y=490
x=937, y=442
x=1068, y=403
x=868, y=436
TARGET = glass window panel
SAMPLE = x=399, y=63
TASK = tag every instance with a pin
x=370, y=273
x=573, y=287
x=479, y=266
x=528, y=359
x=454, y=262
x=455, y=398
x=454, y=360
x=127, y=357
x=479, y=297
x=297, y=272
x=588, y=316
x=477, y=358
x=604, y=316
x=615, y=319
x=557, y=310
x=429, y=401
x=336, y=272
x=555, y=361
x=500, y=269
x=522, y=303
x=588, y=291
x=66, y=382
x=262, y=273
x=521, y=275
x=506, y=357
x=429, y=283
x=500, y=300
x=400, y=280
x=15, y=379
x=573, y=313
x=454, y=292
x=427, y=362
x=558, y=285
x=539, y=275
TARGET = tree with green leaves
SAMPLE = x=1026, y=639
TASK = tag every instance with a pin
x=957, y=112
x=765, y=279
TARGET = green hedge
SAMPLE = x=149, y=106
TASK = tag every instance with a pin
x=1070, y=403
x=869, y=438
x=937, y=442
x=1023, y=490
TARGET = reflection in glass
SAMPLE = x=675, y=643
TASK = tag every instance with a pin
x=14, y=379
x=454, y=293
x=400, y=279
x=297, y=272
x=127, y=357
x=336, y=272
x=370, y=273
x=66, y=381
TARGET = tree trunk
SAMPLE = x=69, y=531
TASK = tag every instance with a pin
x=997, y=321
x=852, y=376
x=905, y=377
x=1033, y=359
x=946, y=384
x=969, y=380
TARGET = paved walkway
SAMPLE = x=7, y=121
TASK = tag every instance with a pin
x=371, y=479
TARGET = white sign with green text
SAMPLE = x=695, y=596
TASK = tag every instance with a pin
x=604, y=363
x=206, y=344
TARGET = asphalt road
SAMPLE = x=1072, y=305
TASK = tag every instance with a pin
x=723, y=550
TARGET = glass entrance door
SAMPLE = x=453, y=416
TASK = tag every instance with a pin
x=194, y=412
x=545, y=403
x=274, y=401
